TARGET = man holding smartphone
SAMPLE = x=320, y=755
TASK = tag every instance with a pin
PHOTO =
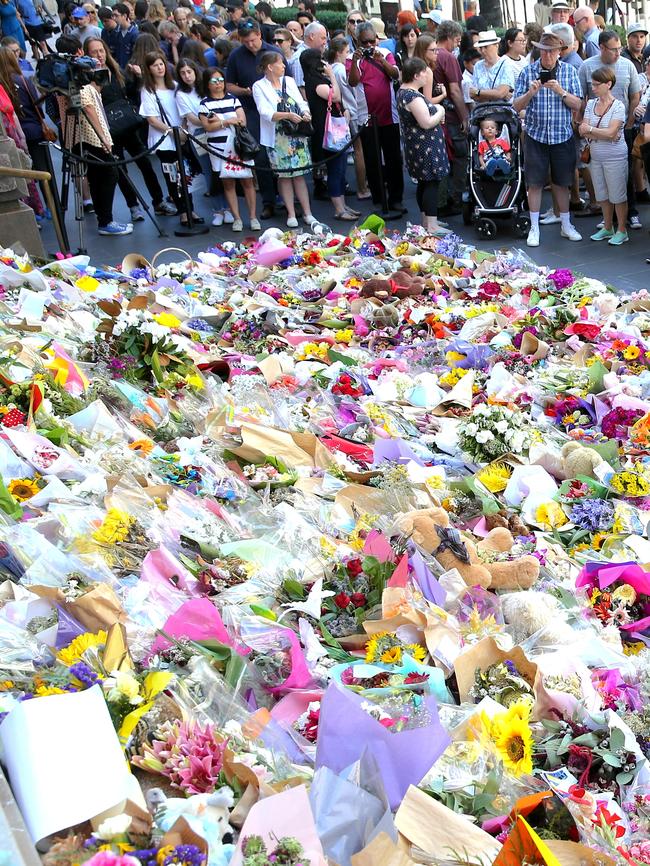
x=549, y=90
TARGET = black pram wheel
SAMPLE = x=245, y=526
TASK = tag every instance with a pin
x=487, y=228
x=522, y=226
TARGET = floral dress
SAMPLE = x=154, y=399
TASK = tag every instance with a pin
x=424, y=149
x=290, y=151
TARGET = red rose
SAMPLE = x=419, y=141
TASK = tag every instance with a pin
x=358, y=599
x=342, y=600
x=354, y=567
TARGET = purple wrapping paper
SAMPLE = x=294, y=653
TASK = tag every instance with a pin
x=428, y=584
x=345, y=731
x=394, y=450
x=68, y=629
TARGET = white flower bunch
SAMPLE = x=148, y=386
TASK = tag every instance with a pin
x=491, y=431
x=127, y=319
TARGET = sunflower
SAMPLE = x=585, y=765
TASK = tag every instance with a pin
x=75, y=650
x=514, y=744
x=392, y=656
x=416, y=651
x=23, y=488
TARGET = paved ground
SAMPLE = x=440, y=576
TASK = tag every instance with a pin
x=624, y=267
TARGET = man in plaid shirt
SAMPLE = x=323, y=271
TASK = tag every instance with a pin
x=549, y=91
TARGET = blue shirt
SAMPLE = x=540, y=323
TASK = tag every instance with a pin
x=590, y=42
x=28, y=13
x=548, y=119
x=242, y=69
x=121, y=43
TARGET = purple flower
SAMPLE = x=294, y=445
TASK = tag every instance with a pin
x=449, y=245
x=85, y=674
x=562, y=278
x=595, y=515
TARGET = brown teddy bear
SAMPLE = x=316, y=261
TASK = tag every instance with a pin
x=509, y=520
x=402, y=284
x=429, y=528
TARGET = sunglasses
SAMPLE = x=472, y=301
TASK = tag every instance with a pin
x=279, y=41
x=355, y=20
x=216, y=81
x=367, y=41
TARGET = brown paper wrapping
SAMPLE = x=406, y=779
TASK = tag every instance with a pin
x=533, y=346
x=182, y=834
x=96, y=610
x=116, y=656
x=294, y=449
x=239, y=814
x=382, y=851
x=438, y=831
x=460, y=395
x=574, y=854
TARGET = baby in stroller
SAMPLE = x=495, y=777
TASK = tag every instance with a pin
x=494, y=154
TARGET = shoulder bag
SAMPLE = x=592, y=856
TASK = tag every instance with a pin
x=585, y=153
x=122, y=118
x=336, y=136
x=245, y=144
x=49, y=134
x=301, y=130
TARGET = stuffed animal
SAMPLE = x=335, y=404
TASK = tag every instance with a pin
x=510, y=521
x=529, y=612
x=402, y=284
x=429, y=527
x=578, y=460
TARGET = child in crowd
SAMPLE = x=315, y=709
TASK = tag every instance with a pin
x=493, y=153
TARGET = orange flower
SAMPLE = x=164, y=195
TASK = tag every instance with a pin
x=142, y=446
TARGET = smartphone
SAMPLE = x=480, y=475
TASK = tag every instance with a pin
x=547, y=75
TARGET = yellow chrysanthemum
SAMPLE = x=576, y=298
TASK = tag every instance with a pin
x=74, y=651
x=167, y=320
x=515, y=746
x=495, y=476
x=550, y=516
x=44, y=691
x=625, y=593
x=22, y=488
x=196, y=382
x=115, y=527
x=392, y=656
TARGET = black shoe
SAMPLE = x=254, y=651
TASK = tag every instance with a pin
x=398, y=206
x=320, y=192
x=268, y=212
x=643, y=196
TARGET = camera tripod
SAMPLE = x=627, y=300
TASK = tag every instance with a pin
x=74, y=170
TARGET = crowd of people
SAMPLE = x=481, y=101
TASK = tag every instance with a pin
x=380, y=97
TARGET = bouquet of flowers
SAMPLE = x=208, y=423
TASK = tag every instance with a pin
x=491, y=431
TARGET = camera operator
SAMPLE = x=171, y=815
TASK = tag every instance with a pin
x=549, y=90
x=88, y=132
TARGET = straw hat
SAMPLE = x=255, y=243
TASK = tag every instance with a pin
x=548, y=42
x=487, y=37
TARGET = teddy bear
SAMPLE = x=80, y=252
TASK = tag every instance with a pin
x=429, y=528
x=529, y=612
x=578, y=460
x=402, y=284
x=510, y=521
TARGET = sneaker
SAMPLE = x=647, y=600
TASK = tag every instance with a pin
x=217, y=219
x=292, y=223
x=600, y=225
x=603, y=235
x=310, y=219
x=165, y=208
x=114, y=229
x=137, y=214
x=228, y=218
x=237, y=226
x=571, y=234
x=619, y=238
x=256, y=225
x=633, y=222
x=549, y=218
x=533, y=237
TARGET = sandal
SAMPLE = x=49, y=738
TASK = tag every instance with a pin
x=345, y=215
x=355, y=213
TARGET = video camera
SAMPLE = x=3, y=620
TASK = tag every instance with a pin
x=67, y=74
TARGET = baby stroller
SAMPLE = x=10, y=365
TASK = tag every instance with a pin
x=502, y=195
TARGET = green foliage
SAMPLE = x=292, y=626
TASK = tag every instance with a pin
x=331, y=15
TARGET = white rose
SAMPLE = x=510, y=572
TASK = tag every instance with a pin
x=501, y=426
x=484, y=436
x=113, y=828
x=517, y=442
x=471, y=430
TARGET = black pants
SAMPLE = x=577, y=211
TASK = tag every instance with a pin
x=426, y=196
x=630, y=135
x=39, y=160
x=389, y=144
x=266, y=180
x=102, y=180
x=170, y=168
x=135, y=146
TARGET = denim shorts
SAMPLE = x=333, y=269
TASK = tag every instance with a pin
x=559, y=158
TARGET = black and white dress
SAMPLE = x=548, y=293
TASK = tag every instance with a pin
x=222, y=139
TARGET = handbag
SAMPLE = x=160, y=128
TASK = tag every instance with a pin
x=637, y=144
x=336, y=136
x=122, y=118
x=49, y=134
x=245, y=144
x=233, y=168
x=585, y=153
x=303, y=129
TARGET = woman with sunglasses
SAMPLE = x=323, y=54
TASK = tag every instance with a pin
x=219, y=113
x=353, y=20
x=158, y=106
x=282, y=38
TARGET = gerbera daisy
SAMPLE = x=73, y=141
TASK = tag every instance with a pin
x=75, y=650
x=495, y=477
x=142, y=446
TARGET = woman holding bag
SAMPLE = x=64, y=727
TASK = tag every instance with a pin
x=158, y=106
x=219, y=113
x=331, y=130
x=280, y=107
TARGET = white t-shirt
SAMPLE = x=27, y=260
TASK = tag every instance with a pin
x=188, y=103
x=150, y=107
x=603, y=151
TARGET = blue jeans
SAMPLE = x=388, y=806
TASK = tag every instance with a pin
x=336, y=174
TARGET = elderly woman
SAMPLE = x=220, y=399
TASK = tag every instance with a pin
x=424, y=143
x=602, y=126
x=493, y=79
x=288, y=153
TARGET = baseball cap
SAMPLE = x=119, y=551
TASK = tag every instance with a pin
x=79, y=13
x=636, y=28
x=434, y=15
